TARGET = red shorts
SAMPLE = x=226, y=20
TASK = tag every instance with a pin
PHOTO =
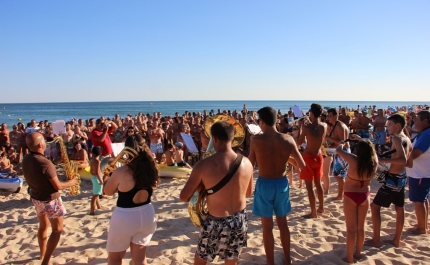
x=314, y=167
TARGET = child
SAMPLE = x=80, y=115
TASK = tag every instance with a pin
x=170, y=155
x=96, y=179
x=179, y=155
x=5, y=165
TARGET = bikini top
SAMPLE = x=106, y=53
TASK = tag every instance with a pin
x=361, y=181
x=125, y=199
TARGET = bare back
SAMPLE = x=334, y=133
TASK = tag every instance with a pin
x=232, y=197
x=271, y=151
x=315, y=134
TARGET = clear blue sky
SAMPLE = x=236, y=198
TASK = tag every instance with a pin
x=54, y=51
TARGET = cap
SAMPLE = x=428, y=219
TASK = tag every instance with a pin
x=179, y=144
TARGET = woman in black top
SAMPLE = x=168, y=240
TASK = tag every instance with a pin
x=133, y=221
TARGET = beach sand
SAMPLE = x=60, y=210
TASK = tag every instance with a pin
x=313, y=241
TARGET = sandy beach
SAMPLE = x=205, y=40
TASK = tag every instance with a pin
x=317, y=241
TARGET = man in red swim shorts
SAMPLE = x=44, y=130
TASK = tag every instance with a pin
x=314, y=133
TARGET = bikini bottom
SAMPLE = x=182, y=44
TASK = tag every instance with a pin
x=357, y=197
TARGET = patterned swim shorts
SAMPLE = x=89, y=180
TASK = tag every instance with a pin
x=53, y=209
x=224, y=237
x=156, y=148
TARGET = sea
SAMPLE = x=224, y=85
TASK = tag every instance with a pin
x=12, y=113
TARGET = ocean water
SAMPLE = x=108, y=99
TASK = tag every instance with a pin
x=11, y=112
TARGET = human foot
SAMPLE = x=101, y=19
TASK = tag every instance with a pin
x=309, y=216
x=372, y=243
x=338, y=198
x=321, y=211
x=348, y=261
x=395, y=243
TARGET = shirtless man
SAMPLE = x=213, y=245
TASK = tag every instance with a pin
x=68, y=139
x=156, y=134
x=379, y=129
x=393, y=189
x=4, y=138
x=338, y=133
x=271, y=150
x=314, y=133
x=227, y=213
x=363, y=125
x=343, y=117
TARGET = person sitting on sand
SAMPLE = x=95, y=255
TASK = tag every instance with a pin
x=362, y=167
x=393, y=189
x=133, y=221
x=338, y=133
x=96, y=179
x=314, y=132
x=179, y=155
x=80, y=156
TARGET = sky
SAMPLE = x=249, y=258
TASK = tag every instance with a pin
x=72, y=51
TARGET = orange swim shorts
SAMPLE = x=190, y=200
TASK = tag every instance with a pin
x=314, y=167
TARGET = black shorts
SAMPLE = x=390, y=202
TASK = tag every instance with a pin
x=182, y=164
x=386, y=196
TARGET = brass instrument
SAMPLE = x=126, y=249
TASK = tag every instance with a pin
x=197, y=206
x=108, y=164
x=70, y=167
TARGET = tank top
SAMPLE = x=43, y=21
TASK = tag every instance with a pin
x=125, y=199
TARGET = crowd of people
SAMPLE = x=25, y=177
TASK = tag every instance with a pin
x=361, y=138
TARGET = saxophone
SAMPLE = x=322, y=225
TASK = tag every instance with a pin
x=70, y=167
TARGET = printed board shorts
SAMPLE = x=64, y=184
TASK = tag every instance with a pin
x=379, y=137
x=363, y=133
x=271, y=195
x=53, y=209
x=156, y=148
x=340, y=166
x=224, y=237
x=419, y=189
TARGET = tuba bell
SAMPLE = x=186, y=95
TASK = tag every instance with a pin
x=197, y=206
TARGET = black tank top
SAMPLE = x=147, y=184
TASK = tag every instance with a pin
x=125, y=199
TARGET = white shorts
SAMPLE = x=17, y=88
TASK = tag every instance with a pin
x=131, y=225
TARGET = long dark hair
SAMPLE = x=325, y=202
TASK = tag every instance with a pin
x=143, y=167
x=367, y=160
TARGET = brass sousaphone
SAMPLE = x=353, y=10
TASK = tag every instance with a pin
x=197, y=206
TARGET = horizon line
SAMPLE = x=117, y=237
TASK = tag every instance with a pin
x=243, y=100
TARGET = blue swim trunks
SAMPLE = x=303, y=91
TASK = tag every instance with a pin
x=379, y=137
x=364, y=133
x=271, y=195
x=340, y=167
x=156, y=148
x=419, y=192
x=97, y=187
